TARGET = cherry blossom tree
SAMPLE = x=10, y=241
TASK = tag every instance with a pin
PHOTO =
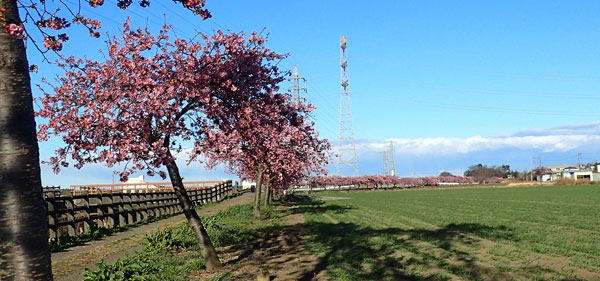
x=299, y=155
x=149, y=97
x=270, y=140
x=374, y=181
x=44, y=25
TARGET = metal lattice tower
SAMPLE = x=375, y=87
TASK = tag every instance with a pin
x=346, y=145
x=389, y=168
x=385, y=163
x=296, y=82
x=392, y=165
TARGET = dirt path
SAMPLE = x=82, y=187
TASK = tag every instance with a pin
x=70, y=263
x=282, y=254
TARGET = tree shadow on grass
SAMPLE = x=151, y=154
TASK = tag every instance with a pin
x=320, y=209
x=349, y=251
x=302, y=204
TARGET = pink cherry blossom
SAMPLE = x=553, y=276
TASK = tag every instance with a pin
x=140, y=107
x=15, y=30
x=379, y=181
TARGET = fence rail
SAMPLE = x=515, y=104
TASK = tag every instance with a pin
x=76, y=211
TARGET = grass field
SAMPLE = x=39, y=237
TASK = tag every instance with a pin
x=534, y=233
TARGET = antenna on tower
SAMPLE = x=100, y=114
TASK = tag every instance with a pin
x=347, y=146
x=296, y=81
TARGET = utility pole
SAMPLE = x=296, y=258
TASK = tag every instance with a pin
x=579, y=160
x=539, y=164
x=296, y=82
x=346, y=144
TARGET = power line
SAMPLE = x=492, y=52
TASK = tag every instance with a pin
x=177, y=14
x=502, y=92
x=491, y=73
x=485, y=108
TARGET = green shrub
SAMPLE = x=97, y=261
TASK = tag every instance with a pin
x=169, y=239
x=147, y=266
x=129, y=268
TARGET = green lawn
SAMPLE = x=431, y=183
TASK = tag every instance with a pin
x=535, y=233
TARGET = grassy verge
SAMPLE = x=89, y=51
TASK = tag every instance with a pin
x=171, y=253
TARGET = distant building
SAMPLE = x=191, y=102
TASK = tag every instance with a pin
x=131, y=183
x=560, y=168
x=575, y=172
x=248, y=184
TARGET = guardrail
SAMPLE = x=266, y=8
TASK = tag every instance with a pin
x=75, y=211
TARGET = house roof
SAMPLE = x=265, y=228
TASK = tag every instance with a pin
x=561, y=167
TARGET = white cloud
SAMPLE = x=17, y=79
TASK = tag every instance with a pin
x=449, y=146
x=556, y=139
x=591, y=128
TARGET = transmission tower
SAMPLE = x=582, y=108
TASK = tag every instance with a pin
x=389, y=168
x=391, y=165
x=385, y=163
x=296, y=81
x=347, y=146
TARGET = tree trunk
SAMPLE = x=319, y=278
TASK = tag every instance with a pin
x=257, y=213
x=24, y=250
x=208, y=251
x=270, y=197
x=267, y=195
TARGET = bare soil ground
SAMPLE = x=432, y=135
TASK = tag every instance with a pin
x=70, y=263
x=282, y=255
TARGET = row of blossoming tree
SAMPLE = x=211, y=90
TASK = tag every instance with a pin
x=374, y=181
x=155, y=94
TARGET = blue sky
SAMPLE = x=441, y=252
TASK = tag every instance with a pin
x=420, y=71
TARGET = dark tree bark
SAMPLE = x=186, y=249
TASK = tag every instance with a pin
x=24, y=250
x=211, y=260
x=267, y=195
x=257, y=213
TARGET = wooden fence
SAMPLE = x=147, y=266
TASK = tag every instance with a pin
x=76, y=211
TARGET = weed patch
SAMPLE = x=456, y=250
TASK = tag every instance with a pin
x=171, y=253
